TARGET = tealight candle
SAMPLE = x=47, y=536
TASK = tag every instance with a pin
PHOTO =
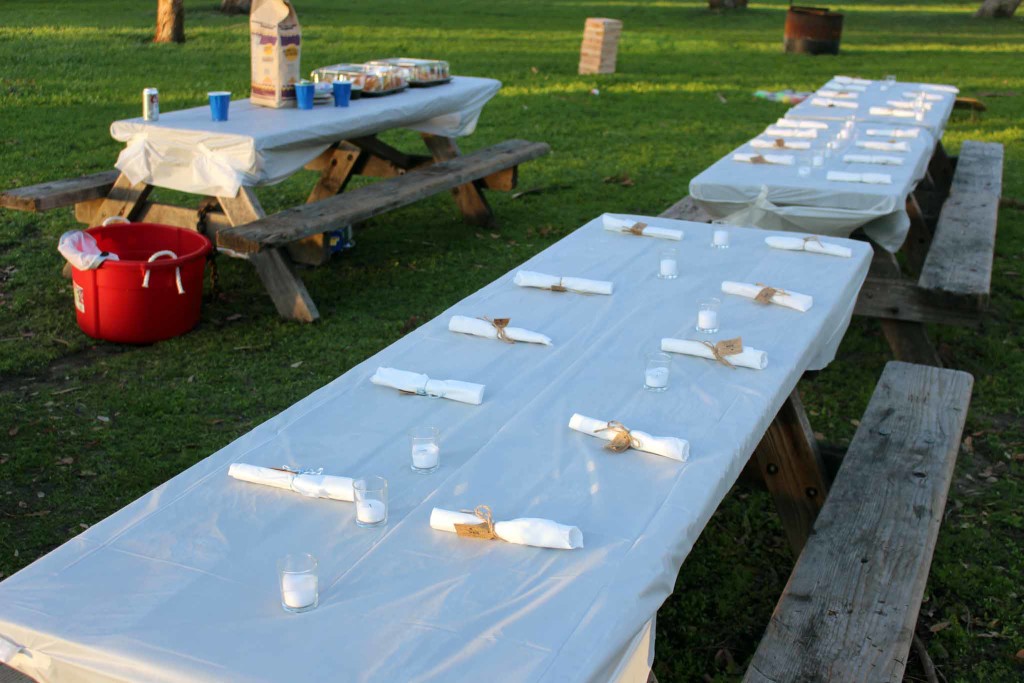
x=425, y=449
x=370, y=511
x=707, y=316
x=371, y=494
x=668, y=268
x=720, y=239
x=656, y=371
x=299, y=582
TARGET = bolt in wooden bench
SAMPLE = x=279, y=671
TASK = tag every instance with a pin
x=849, y=609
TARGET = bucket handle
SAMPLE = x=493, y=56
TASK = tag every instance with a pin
x=177, y=271
x=114, y=219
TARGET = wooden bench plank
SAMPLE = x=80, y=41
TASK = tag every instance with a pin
x=849, y=609
x=58, y=193
x=372, y=200
x=960, y=258
x=686, y=209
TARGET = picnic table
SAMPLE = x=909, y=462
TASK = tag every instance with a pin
x=222, y=163
x=180, y=585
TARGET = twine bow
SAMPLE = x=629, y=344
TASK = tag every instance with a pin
x=499, y=326
x=780, y=142
x=422, y=391
x=484, y=530
x=637, y=229
x=622, y=439
x=559, y=287
x=766, y=293
x=724, y=348
x=758, y=159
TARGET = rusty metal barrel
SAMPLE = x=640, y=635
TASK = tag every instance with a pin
x=813, y=30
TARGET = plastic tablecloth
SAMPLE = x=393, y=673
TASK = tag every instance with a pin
x=184, y=150
x=181, y=585
x=777, y=197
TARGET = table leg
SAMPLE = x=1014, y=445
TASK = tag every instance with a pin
x=335, y=173
x=471, y=201
x=273, y=265
x=919, y=237
x=125, y=199
x=908, y=340
x=792, y=469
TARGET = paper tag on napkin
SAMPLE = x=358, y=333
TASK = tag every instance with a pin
x=730, y=347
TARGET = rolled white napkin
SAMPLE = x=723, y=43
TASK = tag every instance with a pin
x=761, y=143
x=836, y=85
x=900, y=104
x=833, y=103
x=889, y=111
x=528, y=278
x=783, y=132
x=931, y=97
x=838, y=94
x=894, y=132
x=750, y=358
x=868, y=178
x=883, y=146
x=539, y=533
x=881, y=159
x=482, y=328
x=414, y=382
x=665, y=446
x=310, y=485
x=619, y=225
x=952, y=89
x=796, y=123
x=798, y=302
x=780, y=159
x=815, y=246
x=850, y=80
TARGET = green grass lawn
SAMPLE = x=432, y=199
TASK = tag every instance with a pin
x=87, y=427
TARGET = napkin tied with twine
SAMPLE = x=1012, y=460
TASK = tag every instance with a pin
x=637, y=229
x=499, y=326
x=766, y=293
x=484, y=530
x=622, y=439
x=725, y=348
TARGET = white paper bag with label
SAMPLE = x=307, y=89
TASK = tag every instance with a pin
x=276, y=39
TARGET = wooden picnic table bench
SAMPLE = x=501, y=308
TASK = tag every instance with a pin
x=948, y=252
x=273, y=243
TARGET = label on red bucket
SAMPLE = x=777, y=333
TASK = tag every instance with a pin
x=79, y=298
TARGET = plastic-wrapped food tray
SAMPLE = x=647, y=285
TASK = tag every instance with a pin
x=420, y=73
x=372, y=80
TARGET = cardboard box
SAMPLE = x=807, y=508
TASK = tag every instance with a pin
x=276, y=39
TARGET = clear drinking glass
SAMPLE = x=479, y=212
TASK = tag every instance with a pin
x=371, y=495
x=300, y=589
x=719, y=235
x=425, y=446
x=656, y=371
x=804, y=169
x=707, y=316
x=890, y=81
x=668, y=266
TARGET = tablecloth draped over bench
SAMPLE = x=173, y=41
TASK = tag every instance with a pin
x=184, y=150
x=181, y=584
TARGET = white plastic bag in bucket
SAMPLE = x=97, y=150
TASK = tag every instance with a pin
x=81, y=251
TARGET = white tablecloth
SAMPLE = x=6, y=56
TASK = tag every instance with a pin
x=876, y=95
x=776, y=197
x=181, y=584
x=184, y=150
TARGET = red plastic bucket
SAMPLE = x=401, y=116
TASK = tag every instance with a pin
x=134, y=300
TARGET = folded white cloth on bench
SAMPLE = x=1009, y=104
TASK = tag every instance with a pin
x=889, y=111
x=833, y=103
x=867, y=178
x=529, y=278
x=749, y=358
x=619, y=225
x=665, y=446
x=838, y=94
x=532, y=531
x=881, y=159
x=417, y=383
x=779, y=159
x=309, y=485
x=798, y=302
x=894, y=132
x=783, y=132
x=880, y=146
x=483, y=328
x=793, y=123
x=813, y=245
x=761, y=143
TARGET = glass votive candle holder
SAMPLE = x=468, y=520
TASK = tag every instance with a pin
x=371, y=495
x=707, y=316
x=300, y=587
x=425, y=449
x=890, y=81
x=656, y=371
x=668, y=266
x=817, y=159
x=803, y=170
x=719, y=235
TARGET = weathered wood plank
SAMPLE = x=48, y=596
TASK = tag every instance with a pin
x=901, y=299
x=372, y=200
x=849, y=609
x=686, y=209
x=791, y=466
x=960, y=258
x=58, y=193
x=908, y=340
x=124, y=199
x=919, y=237
x=470, y=200
x=335, y=173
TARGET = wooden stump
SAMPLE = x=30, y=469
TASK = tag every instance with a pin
x=600, y=46
x=170, y=21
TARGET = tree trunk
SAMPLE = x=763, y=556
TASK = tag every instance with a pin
x=997, y=9
x=235, y=6
x=170, y=21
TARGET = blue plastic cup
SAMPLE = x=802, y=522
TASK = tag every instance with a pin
x=304, y=95
x=342, y=93
x=219, y=102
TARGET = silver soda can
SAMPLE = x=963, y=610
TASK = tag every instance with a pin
x=150, y=104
